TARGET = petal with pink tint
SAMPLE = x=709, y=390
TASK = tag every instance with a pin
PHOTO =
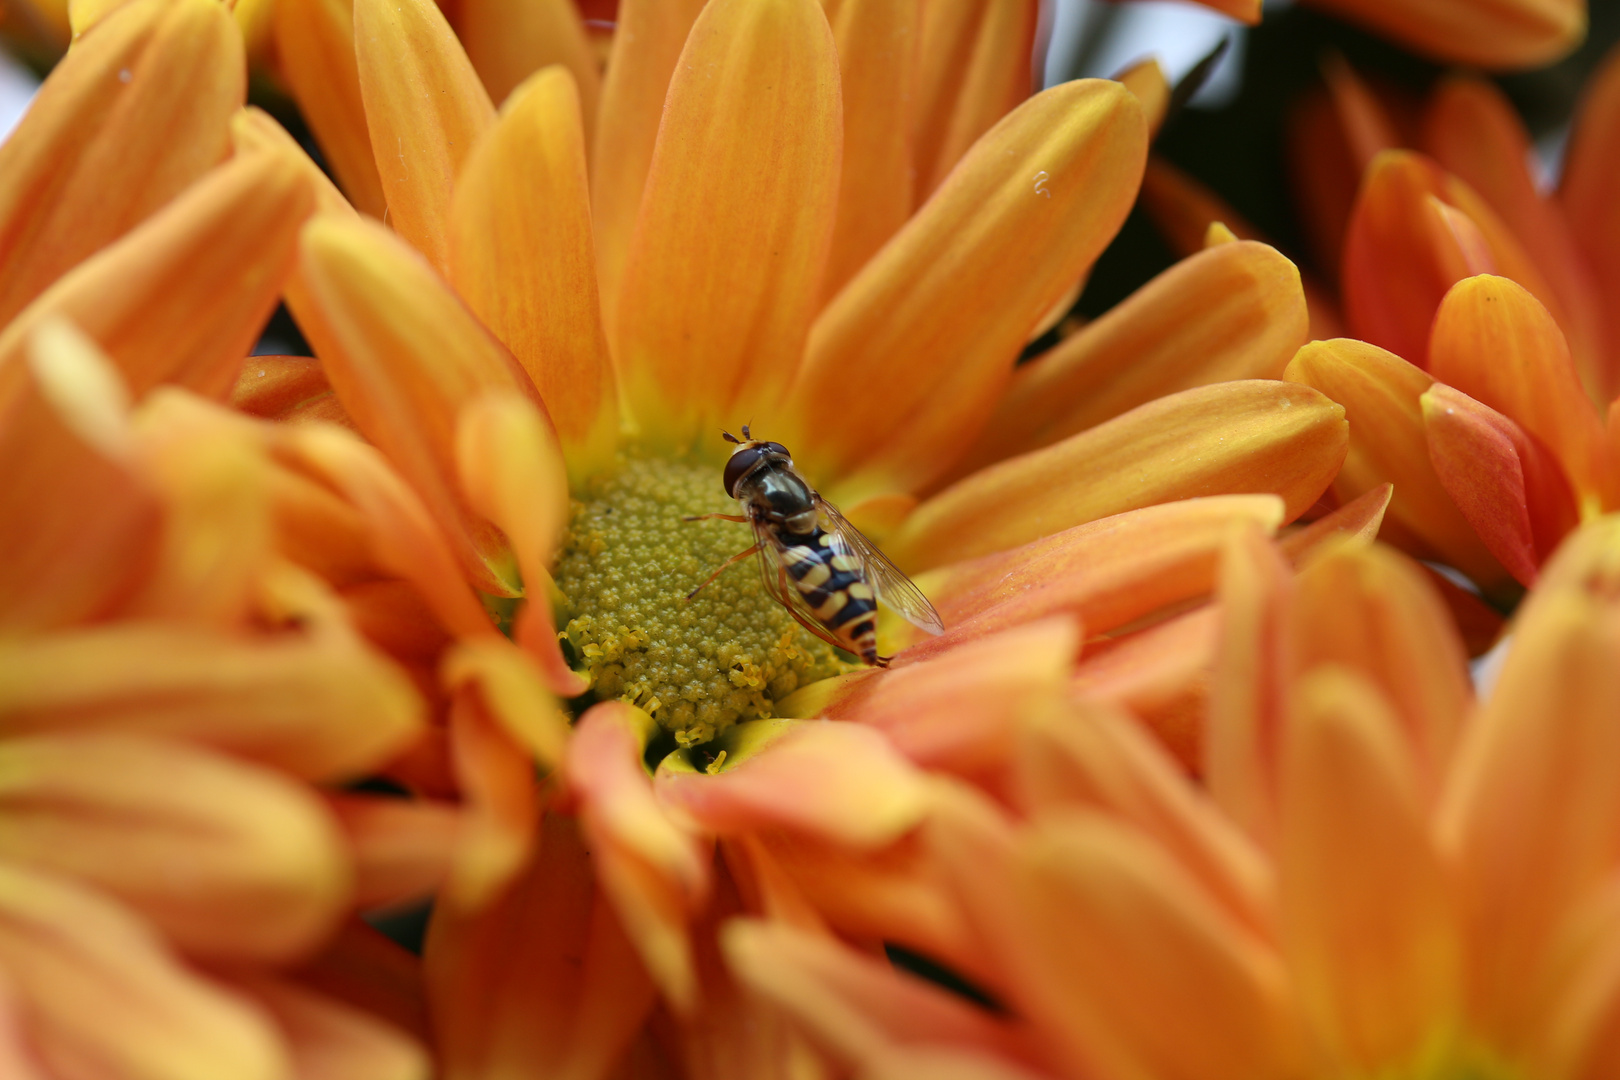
x=1244, y=437
x=496, y=777
x=543, y=982
x=840, y=782
x=1497, y=343
x=1030, y=208
x=723, y=273
x=425, y=110
x=1367, y=919
x=1358, y=519
x=1586, y=190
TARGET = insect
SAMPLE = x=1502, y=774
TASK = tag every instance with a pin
x=813, y=561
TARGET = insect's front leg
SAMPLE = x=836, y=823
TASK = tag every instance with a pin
x=728, y=564
x=716, y=517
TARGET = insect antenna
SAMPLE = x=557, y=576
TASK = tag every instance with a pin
x=746, y=433
x=730, y=438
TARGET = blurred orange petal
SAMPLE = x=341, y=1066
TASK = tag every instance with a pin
x=230, y=861
x=136, y=111
x=722, y=276
x=105, y=994
x=1232, y=312
x=508, y=41
x=496, y=776
x=877, y=43
x=1473, y=131
x=1511, y=35
x=255, y=131
x=404, y=357
x=1496, y=343
x=1486, y=462
x=1587, y=193
x=1027, y=212
x=315, y=46
x=153, y=301
x=647, y=42
x=402, y=848
x=1238, y=437
x=362, y=967
x=1358, y=519
x=1366, y=608
x=541, y=983
x=521, y=257
x=68, y=457
x=271, y=386
x=1364, y=124
x=1101, y=759
x=1147, y=80
x=840, y=782
x=513, y=692
x=425, y=110
x=321, y=708
x=329, y=1040
x=1380, y=393
x=973, y=67
x=1367, y=918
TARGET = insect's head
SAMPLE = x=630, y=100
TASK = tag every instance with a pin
x=749, y=455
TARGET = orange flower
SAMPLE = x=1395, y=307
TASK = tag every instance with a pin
x=1382, y=877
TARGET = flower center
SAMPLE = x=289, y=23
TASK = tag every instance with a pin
x=628, y=562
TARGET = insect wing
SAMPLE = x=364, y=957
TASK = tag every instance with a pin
x=888, y=581
x=773, y=573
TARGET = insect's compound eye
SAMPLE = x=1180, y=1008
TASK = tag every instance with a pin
x=775, y=448
x=740, y=465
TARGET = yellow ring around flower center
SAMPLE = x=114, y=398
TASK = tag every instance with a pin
x=629, y=560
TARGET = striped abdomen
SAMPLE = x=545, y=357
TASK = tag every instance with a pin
x=834, y=590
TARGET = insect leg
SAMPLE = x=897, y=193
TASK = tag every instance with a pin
x=728, y=564
x=716, y=517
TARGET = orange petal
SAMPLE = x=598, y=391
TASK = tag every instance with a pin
x=1380, y=393
x=418, y=85
x=1586, y=194
x=1511, y=36
x=1101, y=759
x=647, y=42
x=973, y=67
x=1254, y=664
x=133, y=114
x=959, y=712
x=1490, y=467
x=270, y=386
x=856, y=1006
x=1109, y=572
x=520, y=255
x=1095, y=900
x=512, y=472
x=1146, y=79
x=404, y=357
x=1495, y=342
x=67, y=454
x=722, y=276
x=1366, y=608
x=514, y=695
x=507, y=42
x=155, y=301
x=329, y=1040
x=1532, y=815
x=1323, y=175
x=1232, y=312
x=839, y=782
x=315, y=45
x=1031, y=206
x=319, y=708
x=402, y=848
x=1415, y=231
x=1182, y=208
x=1367, y=920
x=1367, y=128
x=541, y=983
x=365, y=969
x=1358, y=519
x=1239, y=437
x=876, y=43
x=1473, y=131
x=264, y=875
x=496, y=777
x=253, y=130
x=104, y=993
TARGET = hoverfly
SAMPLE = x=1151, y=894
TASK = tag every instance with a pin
x=813, y=561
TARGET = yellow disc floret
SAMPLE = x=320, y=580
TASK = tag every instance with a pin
x=629, y=560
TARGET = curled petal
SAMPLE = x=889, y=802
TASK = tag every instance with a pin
x=1367, y=919
x=135, y=112
x=1495, y=342
x=103, y=992
x=1232, y=312
x=1045, y=191
x=521, y=256
x=1252, y=436
x=722, y=275
x=425, y=110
